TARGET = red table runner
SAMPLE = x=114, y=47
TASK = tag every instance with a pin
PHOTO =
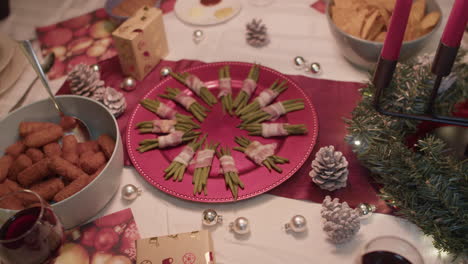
x=333, y=101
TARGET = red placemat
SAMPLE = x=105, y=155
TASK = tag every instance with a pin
x=333, y=101
x=82, y=39
x=108, y=239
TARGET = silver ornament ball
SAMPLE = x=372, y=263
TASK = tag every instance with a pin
x=240, y=226
x=299, y=62
x=95, y=67
x=130, y=192
x=365, y=209
x=128, y=84
x=198, y=36
x=210, y=217
x=315, y=68
x=297, y=224
x=165, y=71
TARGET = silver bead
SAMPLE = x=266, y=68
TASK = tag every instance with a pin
x=315, y=68
x=128, y=84
x=95, y=67
x=299, y=62
x=240, y=226
x=198, y=36
x=210, y=217
x=297, y=224
x=365, y=210
x=130, y=192
x=165, y=71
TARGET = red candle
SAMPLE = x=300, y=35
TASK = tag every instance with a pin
x=453, y=32
x=396, y=31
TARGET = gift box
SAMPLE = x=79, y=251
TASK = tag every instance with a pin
x=141, y=42
x=186, y=248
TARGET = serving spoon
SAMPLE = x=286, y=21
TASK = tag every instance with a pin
x=71, y=124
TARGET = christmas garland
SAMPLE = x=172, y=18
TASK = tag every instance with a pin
x=426, y=185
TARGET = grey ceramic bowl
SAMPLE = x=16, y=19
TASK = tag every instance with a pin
x=364, y=53
x=85, y=204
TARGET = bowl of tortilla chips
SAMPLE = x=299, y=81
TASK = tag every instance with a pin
x=360, y=28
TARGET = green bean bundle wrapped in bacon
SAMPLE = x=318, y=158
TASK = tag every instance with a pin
x=248, y=88
x=165, y=126
x=203, y=167
x=164, y=111
x=273, y=111
x=170, y=140
x=264, y=98
x=196, y=85
x=180, y=163
x=261, y=154
x=187, y=101
x=231, y=174
x=267, y=130
x=225, y=93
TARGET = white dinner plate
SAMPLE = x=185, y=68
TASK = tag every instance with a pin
x=193, y=12
x=7, y=48
x=13, y=70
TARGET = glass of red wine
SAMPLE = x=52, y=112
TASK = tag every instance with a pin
x=390, y=250
x=30, y=231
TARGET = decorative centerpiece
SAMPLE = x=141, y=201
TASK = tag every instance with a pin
x=423, y=182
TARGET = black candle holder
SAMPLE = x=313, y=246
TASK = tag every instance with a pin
x=442, y=67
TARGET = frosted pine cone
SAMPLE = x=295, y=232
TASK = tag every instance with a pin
x=329, y=169
x=114, y=101
x=257, y=35
x=84, y=81
x=341, y=222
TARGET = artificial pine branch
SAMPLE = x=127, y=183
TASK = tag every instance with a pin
x=425, y=184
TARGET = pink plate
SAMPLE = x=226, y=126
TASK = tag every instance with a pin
x=222, y=128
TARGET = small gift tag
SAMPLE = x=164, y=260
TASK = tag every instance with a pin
x=186, y=248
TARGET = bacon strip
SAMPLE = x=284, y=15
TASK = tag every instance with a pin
x=274, y=130
x=185, y=100
x=228, y=164
x=259, y=152
x=169, y=140
x=266, y=97
x=185, y=156
x=163, y=125
x=165, y=111
x=249, y=86
x=275, y=110
x=224, y=87
x=194, y=83
x=204, y=158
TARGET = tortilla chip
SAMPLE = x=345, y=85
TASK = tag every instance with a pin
x=381, y=36
x=385, y=16
x=418, y=9
x=375, y=30
x=340, y=16
x=430, y=20
x=412, y=32
x=368, y=24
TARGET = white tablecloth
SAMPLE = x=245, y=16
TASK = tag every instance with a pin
x=295, y=29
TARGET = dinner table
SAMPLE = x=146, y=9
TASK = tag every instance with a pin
x=295, y=28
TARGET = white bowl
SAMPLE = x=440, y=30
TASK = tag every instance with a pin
x=365, y=53
x=85, y=204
